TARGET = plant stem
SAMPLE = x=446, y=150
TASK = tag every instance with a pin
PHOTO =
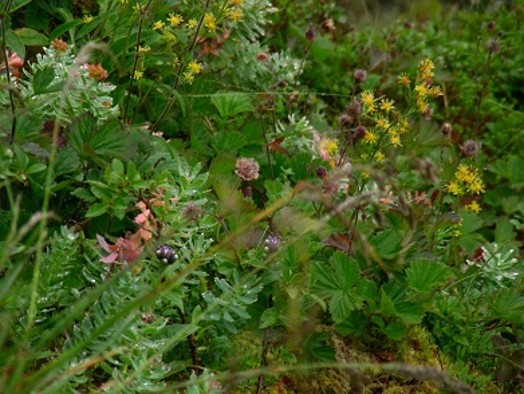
x=172, y=97
x=7, y=69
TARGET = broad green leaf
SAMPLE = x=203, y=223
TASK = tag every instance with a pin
x=504, y=230
x=15, y=43
x=342, y=304
x=395, y=331
x=96, y=210
x=387, y=307
x=31, y=37
x=408, y=312
x=269, y=318
x=230, y=104
x=423, y=275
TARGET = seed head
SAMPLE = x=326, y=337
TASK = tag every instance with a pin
x=446, y=129
x=166, y=254
x=493, y=45
x=360, y=76
x=247, y=168
x=470, y=148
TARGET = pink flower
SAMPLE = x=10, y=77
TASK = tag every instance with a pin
x=124, y=251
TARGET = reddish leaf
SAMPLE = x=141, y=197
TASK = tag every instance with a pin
x=339, y=241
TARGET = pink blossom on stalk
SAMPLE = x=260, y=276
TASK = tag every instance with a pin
x=124, y=251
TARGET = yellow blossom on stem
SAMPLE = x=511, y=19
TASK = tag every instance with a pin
x=425, y=69
x=88, y=19
x=370, y=137
x=169, y=36
x=379, y=157
x=158, y=25
x=210, y=22
x=455, y=188
x=175, y=20
x=473, y=207
x=195, y=67
x=236, y=3
x=422, y=106
x=403, y=125
x=404, y=80
x=192, y=23
x=435, y=91
x=368, y=100
x=421, y=90
x=138, y=74
x=189, y=77
x=143, y=50
x=387, y=105
x=395, y=140
x=465, y=174
x=383, y=123
x=235, y=15
x=476, y=186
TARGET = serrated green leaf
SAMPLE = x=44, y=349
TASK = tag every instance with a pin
x=42, y=79
x=408, y=312
x=508, y=304
x=342, y=303
x=387, y=307
x=387, y=244
x=230, y=104
x=423, y=275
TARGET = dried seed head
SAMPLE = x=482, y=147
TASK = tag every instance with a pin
x=470, y=148
x=358, y=133
x=345, y=120
x=493, y=45
x=446, y=129
x=148, y=318
x=310, y=34
x=492, y=26
x=354, y=108
x=360, y=76
x=247, y=168
x=192, y=211
x=321, y=172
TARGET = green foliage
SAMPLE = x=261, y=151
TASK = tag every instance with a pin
x=188, y=187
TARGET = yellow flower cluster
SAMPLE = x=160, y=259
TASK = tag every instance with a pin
x=368, y=99
x=210, y=22
x=193, y=68
x=423, y=87
x=466, y=180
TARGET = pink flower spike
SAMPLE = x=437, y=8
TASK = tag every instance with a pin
x=103, y=243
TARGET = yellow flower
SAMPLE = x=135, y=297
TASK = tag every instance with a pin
x=210, y=22
x=175, y=19
x=236, y=3
x=235, y=15
x=476, y=186
x=421, y=90
x=192, y=23
x=169, y=36
x=403, y=125
x=435, y=91
x=379, y=157
x=88, y=19
x=404, y=80
x=195, y=67
x=383, y=123
x=368, y=100
x=158, y=25
x=143, y=49
x=364, y=174
x=455, y=189
x=138, y=74
x=395, y=140
x=370, y=137
x=474, y=207
x=465, y=174
x=387, y=105
x=425, y=69
x=422, y=106
x=189, y=77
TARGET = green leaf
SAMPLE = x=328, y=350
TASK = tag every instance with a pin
x=395, y=331
x=387, y=307
x=42, y=79
x=230, y=104
x=387, y=244
x=37, y=167
x=508, y=304
x=423, y=275
x=337, y=281
x=60, y=30
x=31, y=37
x=269, y=318
x=504, y=230
x=15, y=43
x=408, y=312
x=96, y=210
